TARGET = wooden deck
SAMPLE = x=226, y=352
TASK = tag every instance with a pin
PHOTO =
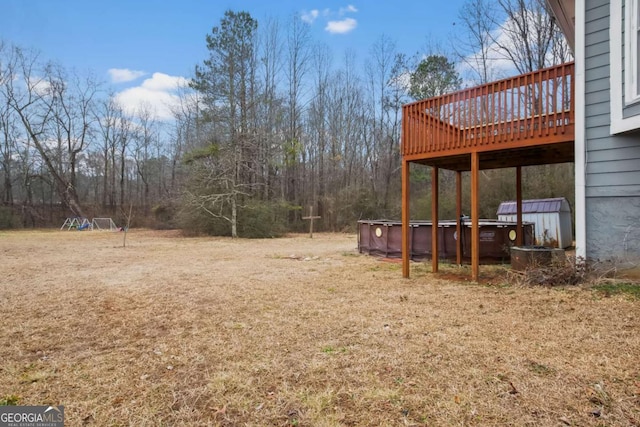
x=531, y=116
x=521, y=121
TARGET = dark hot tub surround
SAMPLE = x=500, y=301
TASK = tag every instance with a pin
x=384, y=238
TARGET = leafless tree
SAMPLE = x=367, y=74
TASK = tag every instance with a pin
x=316, y=124
x=55, y=110
x=520, y=32
x=528, y=35
x=380, y=81
x=143, y=140
x=184, y=134
x=298, y=50
x=474, y=44
x=9, y=134
x=108, y=116
x=269, y=131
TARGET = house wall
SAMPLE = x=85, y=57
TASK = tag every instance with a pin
x=612, y=162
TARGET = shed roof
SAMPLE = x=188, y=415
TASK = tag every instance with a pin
x=558, y=204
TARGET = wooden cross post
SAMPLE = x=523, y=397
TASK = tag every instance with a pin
x=311, y=218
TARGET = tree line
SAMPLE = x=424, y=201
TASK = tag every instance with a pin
x=268, y=126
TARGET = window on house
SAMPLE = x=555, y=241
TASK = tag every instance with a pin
x=632, y=51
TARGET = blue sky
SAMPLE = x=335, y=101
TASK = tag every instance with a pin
x=168, y=37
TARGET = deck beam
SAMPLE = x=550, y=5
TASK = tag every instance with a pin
x=406, y=227
x=475, y=213
x=434, y=219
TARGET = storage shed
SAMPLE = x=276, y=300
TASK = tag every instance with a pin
x=552, y=219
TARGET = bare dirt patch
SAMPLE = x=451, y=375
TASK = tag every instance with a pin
x=299, y=331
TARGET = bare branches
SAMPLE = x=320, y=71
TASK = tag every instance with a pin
x=474, y=45
x=518, y=32
x=54, y=109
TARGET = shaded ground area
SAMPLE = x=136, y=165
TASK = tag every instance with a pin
x=299, y=331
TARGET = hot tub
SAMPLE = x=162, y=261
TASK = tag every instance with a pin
x=384, y=238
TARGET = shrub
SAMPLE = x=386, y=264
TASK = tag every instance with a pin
x=260, y=219
x=163, y=216
x=256, y=219
x=7, y=218
x=195, y=222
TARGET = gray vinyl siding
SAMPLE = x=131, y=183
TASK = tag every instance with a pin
x=597, y=11
x=629, y=166
x=597, y=86
x=612, y=161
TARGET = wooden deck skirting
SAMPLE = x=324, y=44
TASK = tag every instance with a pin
x=537, y=108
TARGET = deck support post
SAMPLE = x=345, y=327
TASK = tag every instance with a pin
x=519, y=228
x=475, y=219
x=406, y=226
x=459, y=229
x=434, y=219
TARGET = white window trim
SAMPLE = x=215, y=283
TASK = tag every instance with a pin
x=619, y=124
x=631, y=95
x=580, y=133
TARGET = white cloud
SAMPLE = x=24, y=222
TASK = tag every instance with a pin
x=160, y=92
x=161, y=81
x=310, y=17
x=341, y=27
x=122, y=75
x=333, y=26
x=333, y=18
x=349, y=9
x=39, y=85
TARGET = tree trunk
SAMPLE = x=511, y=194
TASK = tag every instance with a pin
x=105, y=179
x=66, y=190
x=234, y=217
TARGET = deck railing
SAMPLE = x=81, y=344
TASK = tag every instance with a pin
x=528, y=109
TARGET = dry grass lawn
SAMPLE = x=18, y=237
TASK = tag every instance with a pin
x=174, y=331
